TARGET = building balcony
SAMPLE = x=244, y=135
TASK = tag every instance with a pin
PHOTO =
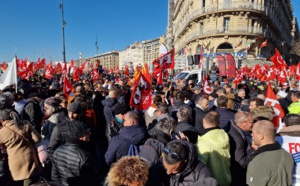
x=218, y=32
x=241, y=6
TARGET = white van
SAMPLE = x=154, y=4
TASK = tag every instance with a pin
x=194, y=75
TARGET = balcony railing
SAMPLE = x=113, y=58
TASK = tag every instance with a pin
x=205, y=33
x=221, y=7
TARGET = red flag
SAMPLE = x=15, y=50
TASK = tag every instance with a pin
x=126, y=71
x=206, y=86
x=291, y=70
x=95, y=75
x=160, y=78
x=4, y=66
x=264, y=44
x=76, y=74
x=166, y=61
x=278, y=60
x=83, y=65
x=64, y=69
x=40, y=64
x=271, y=100
x=48, y=73
x=231, y=65
x=245, y=71
x=282, y=76
x=297, y=73
x=271, y=73
x=67, y=87
x=57, y=69
x=145, y=72
x=141, y=97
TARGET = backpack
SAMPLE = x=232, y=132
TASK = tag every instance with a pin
x=152, y=151
x=134, y=150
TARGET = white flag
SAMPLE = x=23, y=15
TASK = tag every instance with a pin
x=9, y=77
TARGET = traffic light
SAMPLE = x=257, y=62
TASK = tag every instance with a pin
x=239, y=64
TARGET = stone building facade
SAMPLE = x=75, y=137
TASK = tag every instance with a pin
x=131, y=56
x=108, y=60
x=238, y=27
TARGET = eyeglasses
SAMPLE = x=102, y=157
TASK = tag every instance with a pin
x=174, y=155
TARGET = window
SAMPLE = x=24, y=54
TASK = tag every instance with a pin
x=226, y=24
x=201, y=28
x=203, y=3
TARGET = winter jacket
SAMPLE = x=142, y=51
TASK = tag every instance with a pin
x=271, y=165
x=237, y=103
x=194, y=171
x=294, y=108
x=22, y=156
x=199, y=115
x=108, y=104
x=288, y=139
x=187, y=129
x=73, y=166
x=119, y=146
x=58, y=137
x=32, y=112
x=240, y=156
x=50, y=123
x=174, y=109
x=214, y=150
x=226, y=116
x=154, y=146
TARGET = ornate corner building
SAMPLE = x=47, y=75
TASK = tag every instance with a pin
x=238, y=27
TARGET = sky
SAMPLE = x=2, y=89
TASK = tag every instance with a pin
x=33, y=28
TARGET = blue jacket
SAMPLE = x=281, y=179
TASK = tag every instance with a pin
x=226, y=116
x=119, y=146
x=108, y=104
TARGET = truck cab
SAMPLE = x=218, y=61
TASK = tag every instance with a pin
x=194, y=75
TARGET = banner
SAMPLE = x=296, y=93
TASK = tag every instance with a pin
x=222, y=65
x=9, y=77
x=231, y=65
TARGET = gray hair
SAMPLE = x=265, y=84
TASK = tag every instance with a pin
x=241, y=116
x=166, y=125
x=184, y=113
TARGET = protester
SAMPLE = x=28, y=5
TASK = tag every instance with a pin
x=72, y=165
x=214, y=149
x=19, y=137
x=294, y=108
x=226, y=115
x=128, y=171
x=289, y=137
x=199, y=112
x=32, y=111
x=180, y=166
x=262, y=170
x=132, y=133
x=240, y=146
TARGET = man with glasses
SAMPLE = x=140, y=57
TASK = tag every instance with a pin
x=239, y=132
x=180, y=166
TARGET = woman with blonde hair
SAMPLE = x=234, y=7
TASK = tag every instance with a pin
x=128, y=171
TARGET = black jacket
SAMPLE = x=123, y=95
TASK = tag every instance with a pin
x=240, y=156
x=199, y=115
x=32, y=112
x=226, y=116
x=108, y=104
x=187, y=129
x=73, y=166
x=194, y=171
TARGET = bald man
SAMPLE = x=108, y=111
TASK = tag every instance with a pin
x=270, y=165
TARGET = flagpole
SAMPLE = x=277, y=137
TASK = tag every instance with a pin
x=63, y=31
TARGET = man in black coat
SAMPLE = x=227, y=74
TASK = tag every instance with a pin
x=240, y=146
x=200, y=110
x=71, y=164
x=184, y=124
x=226, y=115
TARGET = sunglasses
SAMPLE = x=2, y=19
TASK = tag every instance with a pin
x=174, y=155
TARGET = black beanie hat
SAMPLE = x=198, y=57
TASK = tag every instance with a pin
x=119, y=109
x=75, y=107
x=53, y=101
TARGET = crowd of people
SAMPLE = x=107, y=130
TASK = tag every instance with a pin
x=185, y=138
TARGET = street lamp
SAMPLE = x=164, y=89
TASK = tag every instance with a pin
x=63, y=30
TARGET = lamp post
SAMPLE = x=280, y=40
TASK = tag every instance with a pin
x=63, y=30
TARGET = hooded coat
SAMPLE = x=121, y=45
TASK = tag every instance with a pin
x=195, y=171
x=119, y=146
x=214, y=151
